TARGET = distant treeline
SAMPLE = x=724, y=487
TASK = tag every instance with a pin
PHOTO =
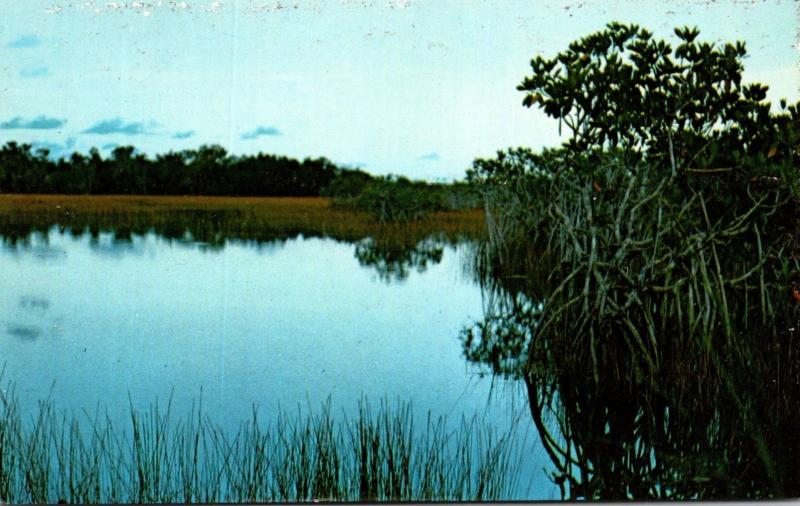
x=211, y=170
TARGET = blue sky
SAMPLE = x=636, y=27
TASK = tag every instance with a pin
x=414, y=87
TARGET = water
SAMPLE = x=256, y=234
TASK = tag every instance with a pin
x=102, y=322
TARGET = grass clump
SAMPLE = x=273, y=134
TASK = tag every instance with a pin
x=377, y=456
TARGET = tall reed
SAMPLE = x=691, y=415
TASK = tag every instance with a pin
x=378, y=455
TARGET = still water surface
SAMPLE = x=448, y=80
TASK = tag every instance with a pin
x=101, y=322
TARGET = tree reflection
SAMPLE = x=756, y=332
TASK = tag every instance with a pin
x=393, y=251
x=706, y=422
x=393, y=260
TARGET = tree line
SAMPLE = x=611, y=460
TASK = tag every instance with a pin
x=208, y=170
x=211, y=170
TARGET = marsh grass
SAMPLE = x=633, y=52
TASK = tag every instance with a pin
x=377, y=455
x=214, y=220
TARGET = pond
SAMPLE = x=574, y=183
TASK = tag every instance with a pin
x=117, y=320
x=350, y=329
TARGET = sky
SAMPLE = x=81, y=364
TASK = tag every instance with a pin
x=412, y=87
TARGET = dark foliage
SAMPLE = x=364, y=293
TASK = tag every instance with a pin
x=398, y=199
x=209, y=170
x=643, y=272
x=680, y=110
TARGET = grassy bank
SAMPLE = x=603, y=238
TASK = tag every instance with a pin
x=214, y=219
x=381, y=454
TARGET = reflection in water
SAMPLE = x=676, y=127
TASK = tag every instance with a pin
x=393, y=251
x=25, y=332
x=393, y=261
x=702, y=421
x=304, y=322
x=33, y=302
x=721, y=430
x=503, y=337
x=215, y=221
x=28, y=319
x=46, y=253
